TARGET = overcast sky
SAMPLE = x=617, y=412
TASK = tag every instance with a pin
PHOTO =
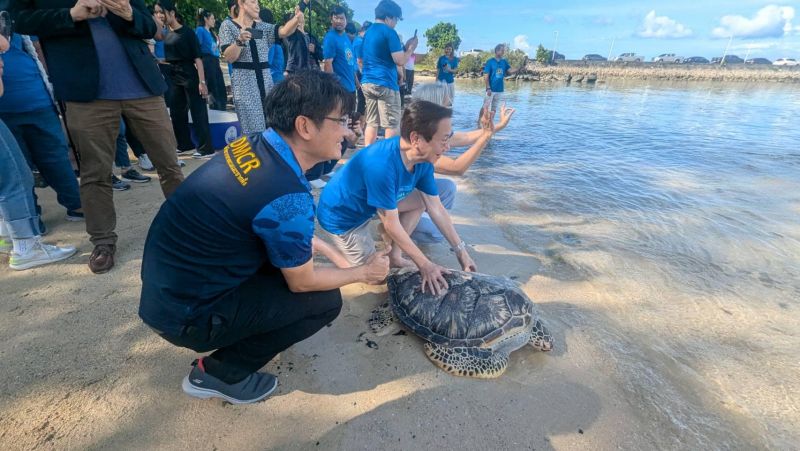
x=687, y=27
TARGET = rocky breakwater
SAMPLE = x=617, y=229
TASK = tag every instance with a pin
x=580, y=72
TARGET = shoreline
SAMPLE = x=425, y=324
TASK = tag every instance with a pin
x=84, y=372
x=577, y=72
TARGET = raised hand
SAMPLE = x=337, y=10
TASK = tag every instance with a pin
x=505, y=116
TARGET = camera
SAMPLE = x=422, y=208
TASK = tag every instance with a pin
x=256, y=33
x=303, y=6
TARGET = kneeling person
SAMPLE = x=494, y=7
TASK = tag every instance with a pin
x=394, y=178
x=228, y=261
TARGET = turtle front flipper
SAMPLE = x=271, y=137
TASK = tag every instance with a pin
x=382, y=321
x=470, y=362
x=541, y=338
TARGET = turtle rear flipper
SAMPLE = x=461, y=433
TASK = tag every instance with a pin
x=470, y=362
x=541, y=338
x=382, y=321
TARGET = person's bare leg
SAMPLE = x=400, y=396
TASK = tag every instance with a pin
x=370, y=135
x=410, y=210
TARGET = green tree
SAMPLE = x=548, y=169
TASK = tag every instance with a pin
x=542, y=55
x=441, y=34
x=317, y=23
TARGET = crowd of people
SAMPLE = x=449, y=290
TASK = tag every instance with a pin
x=228, y=263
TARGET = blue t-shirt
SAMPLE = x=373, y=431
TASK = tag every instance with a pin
x=358, y=44
x=497, y=71
x=374, y=178
x=442, y=75
x=379, y=67
x=208, y=45
x=119, y=80
x=158, y=48
x=25, y=90
x=339, y=48
x=248, y=209
x=277, y=64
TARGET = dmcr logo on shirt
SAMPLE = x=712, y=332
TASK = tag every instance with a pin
x=241, y=159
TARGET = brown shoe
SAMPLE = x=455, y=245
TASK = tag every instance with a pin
x=102, y=258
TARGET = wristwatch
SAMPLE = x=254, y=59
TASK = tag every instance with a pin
x=202, y=82
x=461, y=247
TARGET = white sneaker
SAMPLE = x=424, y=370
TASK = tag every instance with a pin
x=40, y=254
x=145, y=164
x=318, y=183
x=181, y=163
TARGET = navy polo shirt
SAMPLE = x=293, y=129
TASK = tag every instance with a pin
x=248, y=207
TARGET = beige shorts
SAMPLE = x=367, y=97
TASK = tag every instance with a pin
x=382, y=106
x=497, y=100
x=451, y=91
x=356, y=244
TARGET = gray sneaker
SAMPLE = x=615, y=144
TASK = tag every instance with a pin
x=253, y=388
x=40, y=254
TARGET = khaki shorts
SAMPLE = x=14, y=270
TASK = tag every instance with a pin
x=451, y=91
x=497, y=100
x=382, y=106
x=356, y=244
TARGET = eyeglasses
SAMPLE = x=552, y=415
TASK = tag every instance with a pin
x=341, y=120
x=448, y=137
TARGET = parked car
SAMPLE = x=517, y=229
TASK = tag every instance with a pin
x=558, y=57
x=629, y=58
x=594, y=57
x=729, y=59
x=667, y=58
x=758, y=61
x=695, y=60
x=785, y=62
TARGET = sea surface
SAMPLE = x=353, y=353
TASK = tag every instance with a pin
x=667, y=217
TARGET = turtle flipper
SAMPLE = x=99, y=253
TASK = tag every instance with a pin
x=382, y=320
x=541, y=338
x=470, y=362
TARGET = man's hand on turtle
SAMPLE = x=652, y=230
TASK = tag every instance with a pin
x=433, y=278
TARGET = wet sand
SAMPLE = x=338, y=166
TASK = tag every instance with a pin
x=80, y=370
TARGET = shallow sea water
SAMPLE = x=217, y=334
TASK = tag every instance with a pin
x=667, y=220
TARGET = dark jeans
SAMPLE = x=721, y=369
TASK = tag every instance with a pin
x=252, y=324
x=41, y=139
x=215, y=82
x=165, y=72
x=185, y=97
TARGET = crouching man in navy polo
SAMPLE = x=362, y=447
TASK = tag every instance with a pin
x=228, y=263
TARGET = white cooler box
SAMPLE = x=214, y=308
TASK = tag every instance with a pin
x=224, y=125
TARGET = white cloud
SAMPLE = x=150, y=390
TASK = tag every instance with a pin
x=662, y=27
x=769, y=22
x=521, y=42
x=438, y=8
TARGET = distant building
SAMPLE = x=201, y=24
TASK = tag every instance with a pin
x=475, y=52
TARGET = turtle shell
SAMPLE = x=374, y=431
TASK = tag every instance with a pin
x=475, y=310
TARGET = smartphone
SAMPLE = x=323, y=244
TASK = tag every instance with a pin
x=256, y=33
x=415, y=32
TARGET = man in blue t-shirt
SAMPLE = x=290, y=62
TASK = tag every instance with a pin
x=337, y=51
x=228, y=262
x=394, y=179
x=382, y=53
x=496, y=69
x=445, y=69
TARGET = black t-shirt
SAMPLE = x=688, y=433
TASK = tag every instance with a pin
x=247, y=208
x=297, y=57
x=181, y=46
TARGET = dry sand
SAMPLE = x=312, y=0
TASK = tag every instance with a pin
x=81, y=371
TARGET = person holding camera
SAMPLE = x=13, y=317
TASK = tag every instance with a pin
x=245, y=43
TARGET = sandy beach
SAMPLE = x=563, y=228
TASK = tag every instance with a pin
x=81, y=371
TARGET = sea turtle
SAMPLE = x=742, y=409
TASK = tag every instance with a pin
x=470, y=329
